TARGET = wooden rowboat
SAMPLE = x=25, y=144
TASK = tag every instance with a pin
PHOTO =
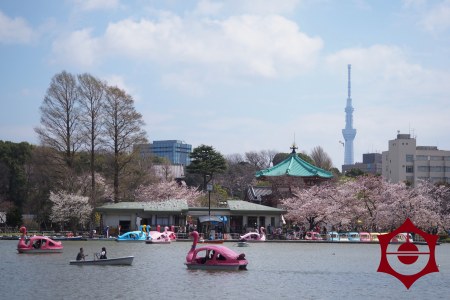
x=119, y=261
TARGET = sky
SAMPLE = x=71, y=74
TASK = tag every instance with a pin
x=240, y=75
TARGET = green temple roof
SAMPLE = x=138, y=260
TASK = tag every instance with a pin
x=294, y=166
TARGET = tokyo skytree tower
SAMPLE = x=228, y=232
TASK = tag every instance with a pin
x=349, y=132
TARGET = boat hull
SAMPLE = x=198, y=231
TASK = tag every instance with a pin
x=119, y=261
x=157, y=242
x=223, y=267
x=38, y=251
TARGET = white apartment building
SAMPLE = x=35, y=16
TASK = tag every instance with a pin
x=404, y=161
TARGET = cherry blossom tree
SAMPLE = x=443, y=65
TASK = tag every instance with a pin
x=312, y=205
x=103, y=190
x=370, y=203
x=70, y=208
x=168, y=190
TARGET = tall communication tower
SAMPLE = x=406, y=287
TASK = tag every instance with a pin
x=349, y=132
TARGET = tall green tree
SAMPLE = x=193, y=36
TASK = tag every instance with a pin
x=14, y=158
x=206, y=162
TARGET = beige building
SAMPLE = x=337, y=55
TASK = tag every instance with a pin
x=404, y=161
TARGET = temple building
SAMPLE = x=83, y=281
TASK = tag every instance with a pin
x=291, y=172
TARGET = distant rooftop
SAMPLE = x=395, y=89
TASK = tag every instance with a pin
x=294, y=166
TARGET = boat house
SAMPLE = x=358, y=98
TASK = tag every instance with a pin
x=236, y=216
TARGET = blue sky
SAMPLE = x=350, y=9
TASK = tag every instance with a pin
x=240, y=75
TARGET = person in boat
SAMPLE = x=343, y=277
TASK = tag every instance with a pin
x=80, y=255
x=37, y=244
x=103, y=253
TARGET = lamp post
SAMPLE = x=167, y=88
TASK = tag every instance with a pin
x=209, y=188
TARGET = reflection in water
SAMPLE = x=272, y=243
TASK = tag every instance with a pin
x=275, y=271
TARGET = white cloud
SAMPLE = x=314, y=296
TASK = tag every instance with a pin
x=270, y=46
x=237, y=7
x=244, y=46
x=15, y=30
x=92, y=5
x=437, y=19
x=77, y=48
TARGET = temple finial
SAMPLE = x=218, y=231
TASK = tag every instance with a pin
x=294, y=147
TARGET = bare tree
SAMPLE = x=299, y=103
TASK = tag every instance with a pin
x=91, y=92
x=60, y=117
x=268, y=156
x=262, y=159
x=255, y=159
x=321, y=158
x=123, y=129
x=238, y=176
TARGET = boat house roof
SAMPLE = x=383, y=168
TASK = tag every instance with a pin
x=166, y=206
x=294, y=166
x=178, y=206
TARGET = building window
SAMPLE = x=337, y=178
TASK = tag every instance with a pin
x=409, y=169
x=423, y=169
x=435, y=169
x=436, y=157
x=421, y=157
x=409, y=157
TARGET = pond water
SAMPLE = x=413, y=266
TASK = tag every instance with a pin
x=276, y=271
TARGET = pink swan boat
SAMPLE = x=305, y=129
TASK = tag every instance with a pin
x=37, y=244
x=159, y=237
x=213, y=257
x=254, y=236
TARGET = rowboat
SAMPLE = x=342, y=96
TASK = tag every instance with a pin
x=242, y=244
x=118, y=261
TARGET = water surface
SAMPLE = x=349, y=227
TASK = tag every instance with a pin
x=275, y=271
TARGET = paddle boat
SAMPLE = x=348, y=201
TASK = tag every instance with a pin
x=213, y=257
x=37, y=244
x=365, y=237
x=353, y=236
x=254, y=236
x=156, y=237
x=132, y=236
x=402, y=238
x=343, y=237
x=118, y=261
x=333, y=236
x=374, y=236
x=313, y=236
